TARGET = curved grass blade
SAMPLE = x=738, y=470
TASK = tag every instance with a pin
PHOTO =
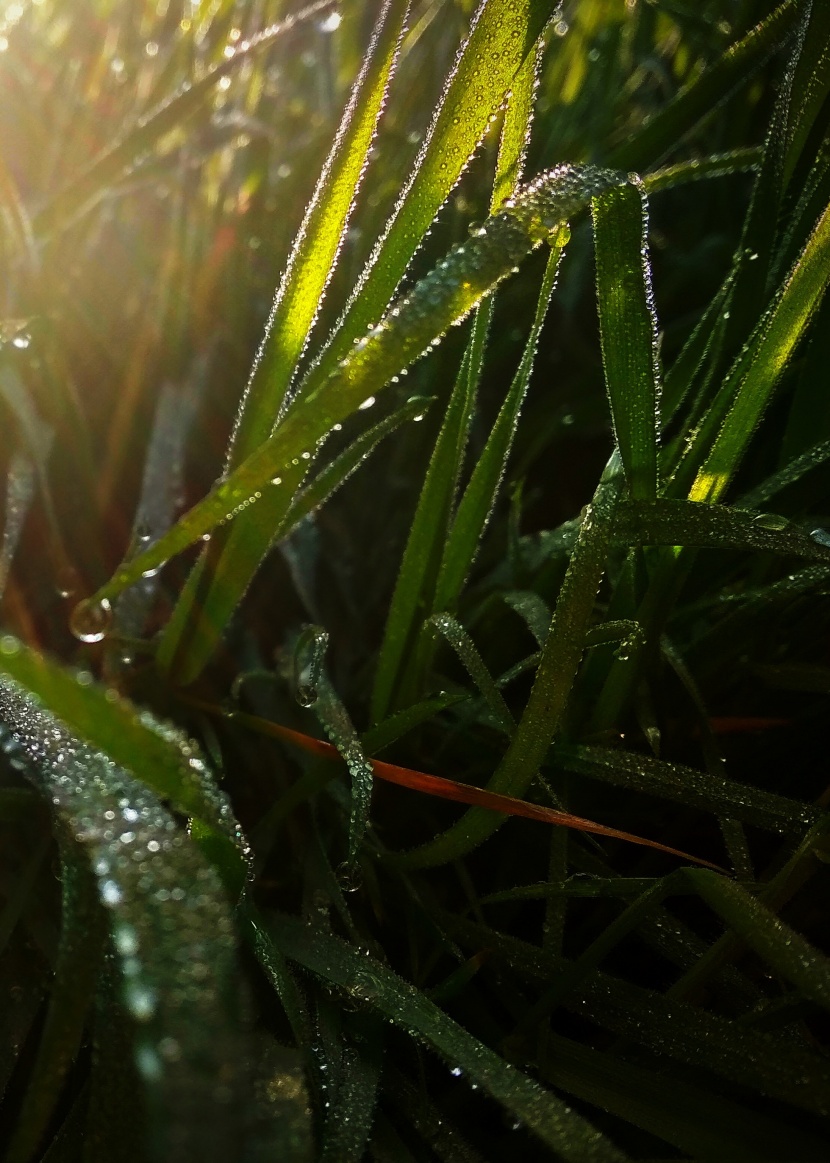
x=98, y=178
x=334, y=961
x=558, y=665
x=628, y=331
x=316, y=691
x=444, y=297
x=464, y=647
x=503, y=33
x=162, y=758
x=171, y=925
x=687, y=785
x=349, y=1122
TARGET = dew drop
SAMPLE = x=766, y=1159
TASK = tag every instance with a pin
x=771, y=521
x=367, y=403
x=91, y=620
x=821, y=537
x=349, y=877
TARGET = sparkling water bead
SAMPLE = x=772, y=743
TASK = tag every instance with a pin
x=91, y=620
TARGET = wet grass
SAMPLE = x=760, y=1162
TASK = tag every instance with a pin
x=414, y=628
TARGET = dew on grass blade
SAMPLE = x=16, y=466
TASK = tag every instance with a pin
x=90, y=621
x=821, y=536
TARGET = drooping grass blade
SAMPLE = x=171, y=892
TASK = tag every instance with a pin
x=448, y=294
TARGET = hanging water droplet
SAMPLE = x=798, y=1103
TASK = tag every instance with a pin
x=349, y=877
x=91, y=620
x=306, y=694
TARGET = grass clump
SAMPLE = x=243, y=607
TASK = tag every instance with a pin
x=513, y=494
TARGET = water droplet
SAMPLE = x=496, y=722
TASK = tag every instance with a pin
x=331, y=22
x=456, y=1072
x=367, y=403
x=349, y=877
x=821, y=537
x=9, y=645
x=91, y=620
x=276, y=480
x=306, y=694
x=771, y=521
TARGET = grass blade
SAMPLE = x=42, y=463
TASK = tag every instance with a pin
x=170, y=920
x=164, y=759
x=458, y=284
x=748, y=387
x=334, y=961
x=479, y=497
x=628, y=331
x=555, y=675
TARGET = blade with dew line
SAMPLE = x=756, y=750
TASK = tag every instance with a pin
x=445, y=296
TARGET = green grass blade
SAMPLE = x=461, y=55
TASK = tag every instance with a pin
x=479, y=497
x=546, y=1116
x=170, y=920
x=474, y=664
x=692, y=523
x=413, y=596
x=628, y=331
x=503, y=33
x=349, y=1119
x=415, y=583
x=749, y=385
x=781, y=947
x=314, y=690
x=447, y=295
x=314, y=253
x=687, y=785
x=158, y=755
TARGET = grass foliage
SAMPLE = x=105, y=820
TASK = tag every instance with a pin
x=430, y=393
